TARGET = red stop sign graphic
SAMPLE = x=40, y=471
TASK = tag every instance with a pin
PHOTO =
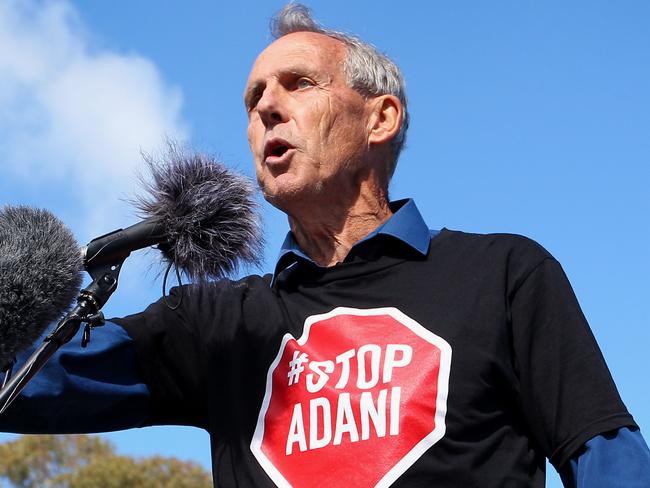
x=355, y=401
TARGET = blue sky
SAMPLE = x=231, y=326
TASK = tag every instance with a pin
x=527, y=117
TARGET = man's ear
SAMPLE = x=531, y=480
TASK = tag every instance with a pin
x=385, y=119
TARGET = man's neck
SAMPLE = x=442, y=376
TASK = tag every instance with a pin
x=327, y=233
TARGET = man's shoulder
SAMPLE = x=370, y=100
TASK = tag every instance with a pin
x=514, y=251
x=250, y=281
x=496, y=241
x=232, y=288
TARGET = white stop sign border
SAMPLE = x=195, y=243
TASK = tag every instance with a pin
x=441, y=401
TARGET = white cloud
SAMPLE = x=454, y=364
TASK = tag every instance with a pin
x=73, y=116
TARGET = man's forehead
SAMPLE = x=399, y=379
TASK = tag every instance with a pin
x=299, y=46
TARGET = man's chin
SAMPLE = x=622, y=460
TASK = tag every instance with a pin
x=284, y=201
x=291, y=199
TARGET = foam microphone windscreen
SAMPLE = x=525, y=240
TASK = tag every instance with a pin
x=208, y=212
x=40, y=275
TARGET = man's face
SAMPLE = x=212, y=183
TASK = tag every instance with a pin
x=307, y=128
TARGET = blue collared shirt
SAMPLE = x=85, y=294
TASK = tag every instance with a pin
x=406, y=224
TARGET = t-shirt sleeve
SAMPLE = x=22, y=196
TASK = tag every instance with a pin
x=567, y=394
x=170, y=359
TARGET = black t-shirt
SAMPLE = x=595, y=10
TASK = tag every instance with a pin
x=462, y=368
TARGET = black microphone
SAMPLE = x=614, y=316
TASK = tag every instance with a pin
x=40, y=275
x=116, y=246
x=202, y=216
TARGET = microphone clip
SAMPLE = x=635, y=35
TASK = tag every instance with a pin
x=92, y=321
x=105, y=278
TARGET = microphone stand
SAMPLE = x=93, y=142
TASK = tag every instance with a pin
x=88, y=310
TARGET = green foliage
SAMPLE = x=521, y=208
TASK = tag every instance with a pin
x=82, y=461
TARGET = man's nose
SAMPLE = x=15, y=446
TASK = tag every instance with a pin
x=272, y=106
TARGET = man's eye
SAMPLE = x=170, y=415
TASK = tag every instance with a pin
x=304, y=83
x=252, y=102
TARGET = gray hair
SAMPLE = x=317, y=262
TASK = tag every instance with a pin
x=368, y=71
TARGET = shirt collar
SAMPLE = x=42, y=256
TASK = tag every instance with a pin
x=406, y=224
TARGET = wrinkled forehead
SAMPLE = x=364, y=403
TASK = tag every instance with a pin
x=299, y=48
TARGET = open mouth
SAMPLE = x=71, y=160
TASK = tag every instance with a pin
x=276, y=148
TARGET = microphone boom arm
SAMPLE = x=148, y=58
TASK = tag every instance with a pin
x=88, y=310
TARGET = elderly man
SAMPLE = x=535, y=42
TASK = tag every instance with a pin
x=378, y=353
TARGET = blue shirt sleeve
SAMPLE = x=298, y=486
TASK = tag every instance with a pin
x=82, y=390
x=616, y=459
